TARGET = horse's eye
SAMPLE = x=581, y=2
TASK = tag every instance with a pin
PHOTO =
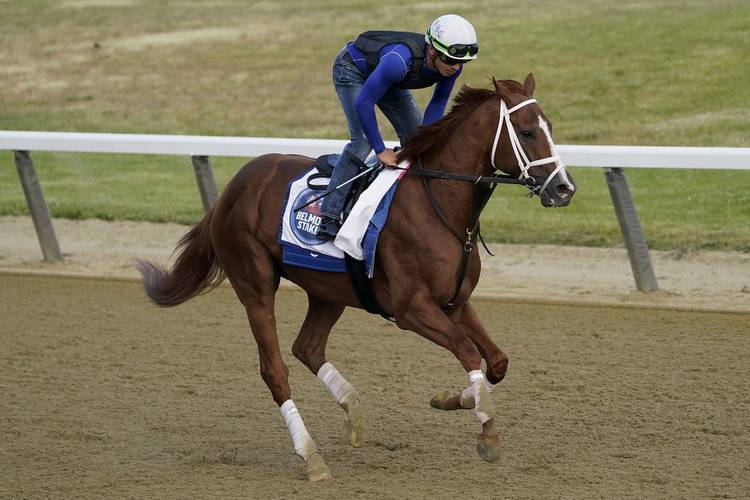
x=527, y=134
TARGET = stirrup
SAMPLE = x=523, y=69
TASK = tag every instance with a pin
x=329, y=228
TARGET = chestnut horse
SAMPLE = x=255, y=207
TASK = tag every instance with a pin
x=424, y=270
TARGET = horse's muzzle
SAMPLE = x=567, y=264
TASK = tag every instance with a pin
x=557, y=193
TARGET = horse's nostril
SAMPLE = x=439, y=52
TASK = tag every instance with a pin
x=563, y=190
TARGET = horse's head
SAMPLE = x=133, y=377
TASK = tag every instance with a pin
x=525, y=149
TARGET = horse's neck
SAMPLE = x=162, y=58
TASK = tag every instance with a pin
x=466, y=151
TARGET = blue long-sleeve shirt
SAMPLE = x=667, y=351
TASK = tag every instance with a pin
x=394, y=65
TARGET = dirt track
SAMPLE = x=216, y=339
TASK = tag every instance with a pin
x=103, y=395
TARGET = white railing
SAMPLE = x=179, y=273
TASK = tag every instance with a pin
x=200, y=145
x=199, y=148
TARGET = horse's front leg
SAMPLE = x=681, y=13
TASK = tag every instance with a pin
x=427, y=319
x=468, y=321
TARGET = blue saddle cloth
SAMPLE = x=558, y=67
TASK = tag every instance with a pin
x=298, y=229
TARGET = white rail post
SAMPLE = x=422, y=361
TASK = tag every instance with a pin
x=630, y=225
x=38, y=209
x=206, y=183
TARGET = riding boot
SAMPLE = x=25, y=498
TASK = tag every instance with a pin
x=329, y=228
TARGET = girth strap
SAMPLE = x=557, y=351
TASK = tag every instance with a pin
x=363, y=288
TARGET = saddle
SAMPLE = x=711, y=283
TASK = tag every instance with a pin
x=325, y=165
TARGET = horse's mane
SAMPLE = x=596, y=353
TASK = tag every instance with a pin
x=435, y=134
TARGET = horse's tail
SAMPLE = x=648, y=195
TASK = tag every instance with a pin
x=196, y=270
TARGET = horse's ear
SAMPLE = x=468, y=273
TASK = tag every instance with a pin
x=529, y=84
x=500, y=89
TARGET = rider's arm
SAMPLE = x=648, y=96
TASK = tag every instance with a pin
x=392, y=68
x=435, y=109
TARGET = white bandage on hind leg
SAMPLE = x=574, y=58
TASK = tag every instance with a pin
x=483, y=407
x=467, y=395
x=304, y=446
x=341, y=390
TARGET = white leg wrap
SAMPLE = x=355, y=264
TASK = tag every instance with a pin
x=483, y=407
x=467, y=395
x=304, y=446
x=340, y=389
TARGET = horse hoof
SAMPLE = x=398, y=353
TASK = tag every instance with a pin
x=437, y=400
x=317, y=470
x=354, y=428
x=446, y=401
x=487, y=452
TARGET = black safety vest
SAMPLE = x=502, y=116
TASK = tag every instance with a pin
x=370, y=43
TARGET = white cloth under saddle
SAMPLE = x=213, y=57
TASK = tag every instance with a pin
x=349, y=238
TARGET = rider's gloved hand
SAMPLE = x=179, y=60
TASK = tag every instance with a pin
x=388, y=158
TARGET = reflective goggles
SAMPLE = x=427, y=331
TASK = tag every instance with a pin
x=449, y=60
x=461, y=50
x=455, y=50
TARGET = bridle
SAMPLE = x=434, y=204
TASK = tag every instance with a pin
x=523, y=161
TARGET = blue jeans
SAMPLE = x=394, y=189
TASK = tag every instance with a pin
x=398, y=105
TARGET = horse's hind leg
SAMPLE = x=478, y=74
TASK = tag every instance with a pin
x=310, y=348
x=255, y=280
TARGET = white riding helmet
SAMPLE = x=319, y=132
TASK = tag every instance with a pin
x=454, y=36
